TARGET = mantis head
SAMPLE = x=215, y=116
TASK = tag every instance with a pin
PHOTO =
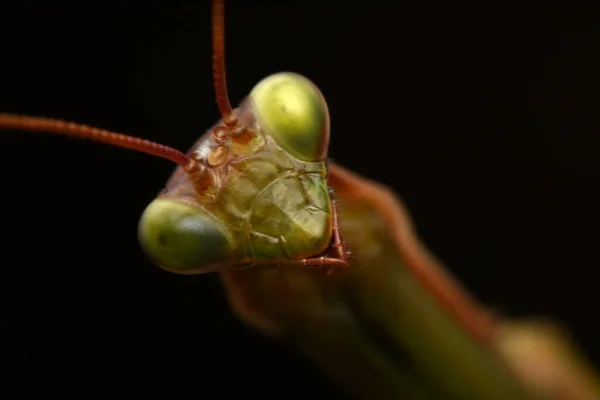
x=193, y=236
x=285, y=112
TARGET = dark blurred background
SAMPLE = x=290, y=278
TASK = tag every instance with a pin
x=484, y=121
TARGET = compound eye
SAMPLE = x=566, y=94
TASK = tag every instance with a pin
x=182, y=238
x=292, y=110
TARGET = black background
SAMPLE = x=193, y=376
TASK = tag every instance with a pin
x=484, y=121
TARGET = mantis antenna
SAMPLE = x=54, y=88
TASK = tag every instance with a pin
x=220, y=81
x=196, y=170
x=59, y=127
x=233, y=128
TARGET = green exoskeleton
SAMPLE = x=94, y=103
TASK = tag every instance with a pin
x=257, y=191
x=256, y=200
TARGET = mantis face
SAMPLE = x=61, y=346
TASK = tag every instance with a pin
x=268, y=197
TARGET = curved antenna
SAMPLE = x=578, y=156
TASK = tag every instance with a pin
x=218, y=40
x=48, y=125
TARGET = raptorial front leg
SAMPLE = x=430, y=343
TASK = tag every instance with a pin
x=338, y=255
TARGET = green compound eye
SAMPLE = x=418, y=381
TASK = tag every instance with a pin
x=293, y=112
x=182, y=238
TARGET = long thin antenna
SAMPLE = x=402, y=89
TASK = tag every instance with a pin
x=39, y=124
x=218, y=38
x=197, y=171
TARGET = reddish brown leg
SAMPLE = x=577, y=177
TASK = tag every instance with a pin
x=338, y=255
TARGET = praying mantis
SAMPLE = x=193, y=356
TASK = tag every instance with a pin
x=477, y=332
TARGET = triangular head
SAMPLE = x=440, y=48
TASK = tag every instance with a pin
x=266, y=197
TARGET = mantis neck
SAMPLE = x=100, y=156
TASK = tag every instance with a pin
x=375, y=330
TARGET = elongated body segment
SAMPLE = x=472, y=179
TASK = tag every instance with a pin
x=377, y=328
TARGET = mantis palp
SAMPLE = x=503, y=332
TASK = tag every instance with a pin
x=469, y=319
